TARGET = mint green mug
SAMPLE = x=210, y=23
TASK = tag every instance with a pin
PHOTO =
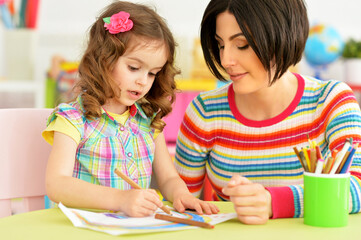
x=326, y=199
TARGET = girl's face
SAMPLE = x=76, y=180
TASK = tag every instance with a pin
x=238, y=58
x=136, y=70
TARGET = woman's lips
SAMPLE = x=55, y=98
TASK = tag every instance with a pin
x=235, y=77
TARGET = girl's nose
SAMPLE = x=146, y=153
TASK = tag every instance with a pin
x=142, y=80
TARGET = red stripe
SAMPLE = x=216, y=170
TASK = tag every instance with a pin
x=356, y=174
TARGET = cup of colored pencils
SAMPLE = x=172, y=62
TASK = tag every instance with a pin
x=326, y=184
x=312, y=160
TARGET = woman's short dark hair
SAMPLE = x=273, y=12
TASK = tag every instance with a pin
x=276, y=30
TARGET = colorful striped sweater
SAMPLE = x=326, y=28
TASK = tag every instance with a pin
x=215, y=139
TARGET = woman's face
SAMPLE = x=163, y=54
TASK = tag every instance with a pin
x=238, y=58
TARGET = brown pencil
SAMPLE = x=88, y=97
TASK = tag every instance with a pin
x=183, y=220
x=299, y=157
x=328, y=165
x=136, y=186
x=343, y=161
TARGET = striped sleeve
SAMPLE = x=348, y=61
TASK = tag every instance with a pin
x=192, y=149
x=344, y=121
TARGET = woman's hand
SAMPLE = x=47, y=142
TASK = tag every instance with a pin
x=188, y=201
x=140, y=202
x=252, y=202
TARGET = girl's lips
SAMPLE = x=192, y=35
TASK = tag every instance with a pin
x=134, y=94
x=235, y=77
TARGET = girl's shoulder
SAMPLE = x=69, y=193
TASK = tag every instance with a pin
x=72, y=111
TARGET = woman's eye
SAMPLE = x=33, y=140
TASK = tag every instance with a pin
x=244, y=47
x=220, y=46
x=131, y=68
x=152, y=74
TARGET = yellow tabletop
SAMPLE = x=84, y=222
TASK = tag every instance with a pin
x=53, y=224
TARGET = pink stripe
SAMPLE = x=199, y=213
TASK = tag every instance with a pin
x=282, y=202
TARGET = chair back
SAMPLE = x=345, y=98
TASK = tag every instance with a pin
x=23, y=157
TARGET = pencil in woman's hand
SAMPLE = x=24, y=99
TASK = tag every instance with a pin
x=183, y=220
x=136, y=186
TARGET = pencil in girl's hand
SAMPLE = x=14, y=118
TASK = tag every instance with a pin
x=136, y=186
x=183, y=220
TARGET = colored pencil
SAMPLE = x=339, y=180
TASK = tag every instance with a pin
x=344, y=160
x=136, y=186
x=328, y=165
x=302, y=156
x=305, y=153
x=313, y=159
x=319, y=165
x=299, y=157
x=340, y=156
x=309, y=140
x=183, y=220
x=345, y=168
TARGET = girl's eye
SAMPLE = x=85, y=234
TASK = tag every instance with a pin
x=152, y=74
x=244, y=47
x=220, y=46
x=131, y=68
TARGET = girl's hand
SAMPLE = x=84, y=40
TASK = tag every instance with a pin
x=252, y=202
x=185, y=201
x=140, y=202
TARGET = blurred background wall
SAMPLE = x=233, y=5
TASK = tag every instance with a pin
x=62, y=27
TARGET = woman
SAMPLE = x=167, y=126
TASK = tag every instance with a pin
x=242, y=135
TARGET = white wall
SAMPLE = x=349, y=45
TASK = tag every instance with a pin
x=63, y=24
x=344, y=15
x=184, y=17
x=66, y=20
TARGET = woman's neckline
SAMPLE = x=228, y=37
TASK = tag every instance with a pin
x=271, y=121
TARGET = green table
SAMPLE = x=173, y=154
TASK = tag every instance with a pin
x=52, y=224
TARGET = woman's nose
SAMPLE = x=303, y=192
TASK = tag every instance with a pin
x=227, y=57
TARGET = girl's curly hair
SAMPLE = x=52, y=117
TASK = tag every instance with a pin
x=95, y=70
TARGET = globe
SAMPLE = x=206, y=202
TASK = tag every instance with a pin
x=324, y=45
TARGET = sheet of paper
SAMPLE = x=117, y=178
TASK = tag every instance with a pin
x=118, y=223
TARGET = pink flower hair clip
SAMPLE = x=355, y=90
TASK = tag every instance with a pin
x=118, y=22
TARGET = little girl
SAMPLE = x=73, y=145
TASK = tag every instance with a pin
x=126, y=86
